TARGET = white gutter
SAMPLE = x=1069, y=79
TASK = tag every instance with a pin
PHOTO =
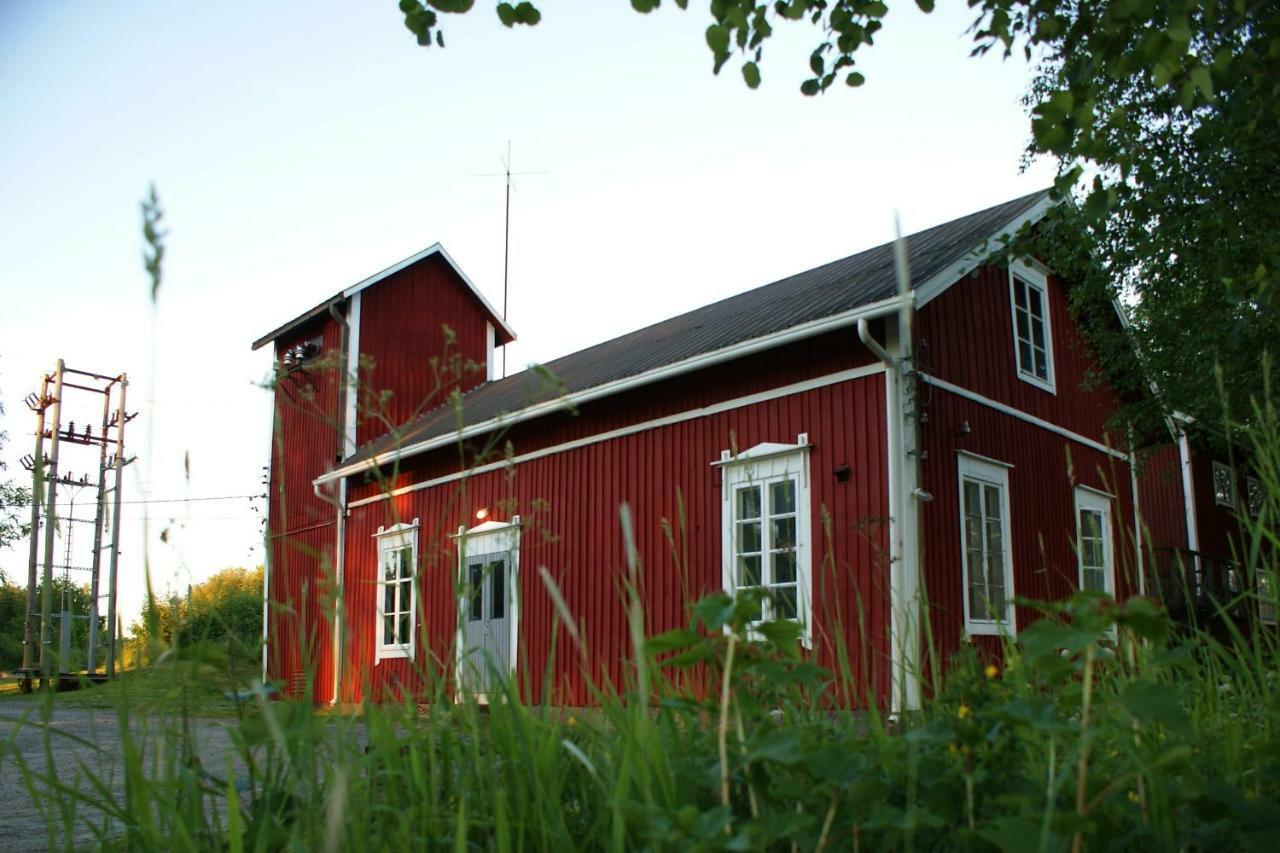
x=807, y=330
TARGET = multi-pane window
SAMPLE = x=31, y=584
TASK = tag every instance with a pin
x=397, y=607
x=765, y=544
x=1224, y=485
x=1093, y=541
x=491, y=595
x=984, y=519
x=766, y=529
x=1033, y=340
x=1253, y=494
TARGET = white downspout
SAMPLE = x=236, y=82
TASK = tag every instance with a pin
x=1189, y=504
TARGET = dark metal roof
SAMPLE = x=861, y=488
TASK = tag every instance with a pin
x=831, y=289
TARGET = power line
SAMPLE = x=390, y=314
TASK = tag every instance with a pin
x=156, y=500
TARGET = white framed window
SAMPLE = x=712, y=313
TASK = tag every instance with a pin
x=1266, y=598
x=984, y=545
x=1032, y=330
x=396, y=624
x=1094, y=549
x=1253, y=495
x=1224, y=485
x=765, y=526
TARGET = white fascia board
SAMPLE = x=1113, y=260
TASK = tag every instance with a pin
x=433, y=249
x=884, y=307
x=939, y=283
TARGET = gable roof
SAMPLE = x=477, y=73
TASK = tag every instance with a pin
x=830, y=296
x=504, y=333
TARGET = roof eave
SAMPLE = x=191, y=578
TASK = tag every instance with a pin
x=882, y=308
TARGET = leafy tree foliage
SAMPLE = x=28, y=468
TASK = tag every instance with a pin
x=15, y=501
x=225, y=610
x=13, y=608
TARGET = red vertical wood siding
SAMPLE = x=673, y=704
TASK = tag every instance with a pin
x=305, y=442
x=1160, y=499
x=1217, y=525
x=1045, y=470
x=570, y=503
x=965, y=336
x=402, y=320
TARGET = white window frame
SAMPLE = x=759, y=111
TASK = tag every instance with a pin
x=1034, y=278
x=490, y=537
x=1092, y=500
x=986, y=472
x=1230, y=501
x=763, y=465
x=395, y=538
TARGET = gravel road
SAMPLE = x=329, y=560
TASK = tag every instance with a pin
x=81, y=741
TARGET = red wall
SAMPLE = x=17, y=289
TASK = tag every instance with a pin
x=965, y=336
x=570, y=501
x=1164, y=516
x=301, y=531
x=401, y=332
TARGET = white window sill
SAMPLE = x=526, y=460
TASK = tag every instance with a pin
x=1031, y=379
x=393, y=653
x=990, y=629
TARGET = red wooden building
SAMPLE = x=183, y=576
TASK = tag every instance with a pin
x=872, y=455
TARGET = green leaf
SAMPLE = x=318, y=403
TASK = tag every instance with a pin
x=527, y=14
x=718, y=39
x=751, y=74
x=644, y=7
x=506, y=14
x=676, y=638
x=810, y=87
x=855, y=79
x=781, y=746
x=926, y=6
x=1012, y=834
x=715, y=610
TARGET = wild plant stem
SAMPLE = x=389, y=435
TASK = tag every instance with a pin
x=1082, y=770
x=723, y=733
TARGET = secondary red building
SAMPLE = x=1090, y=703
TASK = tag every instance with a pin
x=871, y=455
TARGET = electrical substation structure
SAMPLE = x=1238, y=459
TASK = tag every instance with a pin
x=64, y=395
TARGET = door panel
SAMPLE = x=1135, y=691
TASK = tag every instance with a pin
x=486, y=621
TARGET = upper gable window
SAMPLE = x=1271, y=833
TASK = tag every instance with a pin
x=1032, y=334
x=766, y=529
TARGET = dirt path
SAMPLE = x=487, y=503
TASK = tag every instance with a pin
x=81, y=742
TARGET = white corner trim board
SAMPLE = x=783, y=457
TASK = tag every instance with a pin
x=1022, y=416
x=807, y=330
x=691, y=414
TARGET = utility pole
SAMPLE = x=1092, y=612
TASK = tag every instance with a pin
x=50, y=516
x=37, y=405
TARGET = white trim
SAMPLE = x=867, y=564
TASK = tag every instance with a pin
x=688, y=365
x=764, y=450
x=1188, y=494
x=1032, y=277
x=968, y=468
x=489, y=371
x=986, y=459
x=350, y=416
x=339, y=603
x=393, y=538
x=433, y=249
x=505, y=537
x=691, y=414
x=1095, y=500
x=762, y=470
x=1022, y=416
x=942, y=281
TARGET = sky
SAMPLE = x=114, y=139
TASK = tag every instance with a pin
x=296, y=150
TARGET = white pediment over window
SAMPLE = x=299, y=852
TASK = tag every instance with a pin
x=764, y=450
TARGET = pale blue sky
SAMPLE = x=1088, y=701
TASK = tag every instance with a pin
x=299, y=148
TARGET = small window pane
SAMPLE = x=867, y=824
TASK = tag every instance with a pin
x=749, y=502
x=389, y=598
x=1042, y=365
x=498, y=599
x=406, y=595
x=1024, y=330
x=784, y=603
x=782, y=497
x=389, y=566
x=475, y=607
x=1034, y=303
x=388, y=630
x=784, y=567
x=403, y=636
x=749, y=571
x=1020, y=293
x=749, y=537
x=783, y=531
